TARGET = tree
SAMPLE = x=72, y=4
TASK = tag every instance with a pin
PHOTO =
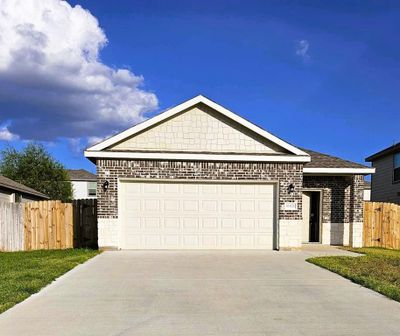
x=34, y=167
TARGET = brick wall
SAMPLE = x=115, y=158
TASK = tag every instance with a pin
x=342, y=205
x=283, y=173
x=342, y=197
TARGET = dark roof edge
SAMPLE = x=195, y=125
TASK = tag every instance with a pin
x=22, y=189
x=387, y=151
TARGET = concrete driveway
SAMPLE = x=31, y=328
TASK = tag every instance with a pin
x=202, y=293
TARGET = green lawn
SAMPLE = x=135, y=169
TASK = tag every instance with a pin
x=377, y=269
x=25, y=273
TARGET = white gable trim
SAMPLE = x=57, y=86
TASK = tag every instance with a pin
x=181, y=107
x=196, y=156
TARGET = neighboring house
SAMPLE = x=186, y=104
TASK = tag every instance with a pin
x=385, y=183
x=199, y=176
x=11, y=191
x=83, y=183
x=367, y=191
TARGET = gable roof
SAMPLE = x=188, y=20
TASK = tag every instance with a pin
x=182, y=107
x=387, y=151
x=324, y=163
x=7, y=183
x=81, y=175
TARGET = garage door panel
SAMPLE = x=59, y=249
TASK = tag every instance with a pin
x=151, y=205
x=191, y=188
x=171, y=205
x=228, y=241
x=209, y=205
x=196, y=216
x=210, y=224
x=246, y=205
x=210, y=241
x=172, y=223
x=245, y=241
x=190, y=206
x=209, y=189
x=170, y=188
x=228, y=205
x=172, y=241
x=190, y=241
x=190, y=224
x=228, y=224
x=151, y=188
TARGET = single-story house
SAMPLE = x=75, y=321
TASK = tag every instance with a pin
x=84, y=183
x=11, y=191
x=385, y=183
x=199, y=176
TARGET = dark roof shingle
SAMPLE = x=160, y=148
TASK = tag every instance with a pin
x=5, y=182
x=320, y=160
x=81, y=175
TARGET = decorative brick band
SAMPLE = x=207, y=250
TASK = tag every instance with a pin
x=283, y=173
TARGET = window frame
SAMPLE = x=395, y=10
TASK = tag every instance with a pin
x=394, y=167
x=89, y=188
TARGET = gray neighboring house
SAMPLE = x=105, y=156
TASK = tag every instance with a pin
x=385, y=183
x=198, y=176
x=11, y=191
x=84, y=183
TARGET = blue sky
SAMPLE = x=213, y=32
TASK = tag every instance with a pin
x=321, y=75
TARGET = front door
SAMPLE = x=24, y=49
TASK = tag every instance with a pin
x=311, y=216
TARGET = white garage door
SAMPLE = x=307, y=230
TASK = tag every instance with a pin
x=167, y=215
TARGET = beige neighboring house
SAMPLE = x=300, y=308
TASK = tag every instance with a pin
x=385, y=183
x=199, y=176
x=84, y=183
x=11, y=191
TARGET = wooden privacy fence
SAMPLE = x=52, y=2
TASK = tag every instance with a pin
x=48, y=225
x=381, y=225
x=11, y=226
x=85, y=223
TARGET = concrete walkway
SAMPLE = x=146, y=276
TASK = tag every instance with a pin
x=203, y=293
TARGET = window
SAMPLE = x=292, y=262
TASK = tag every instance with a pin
x=92, y=188
x=396, y=167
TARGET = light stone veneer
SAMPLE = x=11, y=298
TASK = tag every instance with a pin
x=356, y=234
x=335, y=234
x=290, y=233
x=108, y=232
x=197, y=130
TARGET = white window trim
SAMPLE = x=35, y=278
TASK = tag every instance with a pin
x=196, y=156
x=187, y=104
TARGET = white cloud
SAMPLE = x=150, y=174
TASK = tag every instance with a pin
x=52, y=82
x=302, y=47
x=5, y=134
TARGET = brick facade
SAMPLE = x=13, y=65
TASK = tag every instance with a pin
x=342, y=202
x=342, y=197
x=342, y=205
x=283, y=173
